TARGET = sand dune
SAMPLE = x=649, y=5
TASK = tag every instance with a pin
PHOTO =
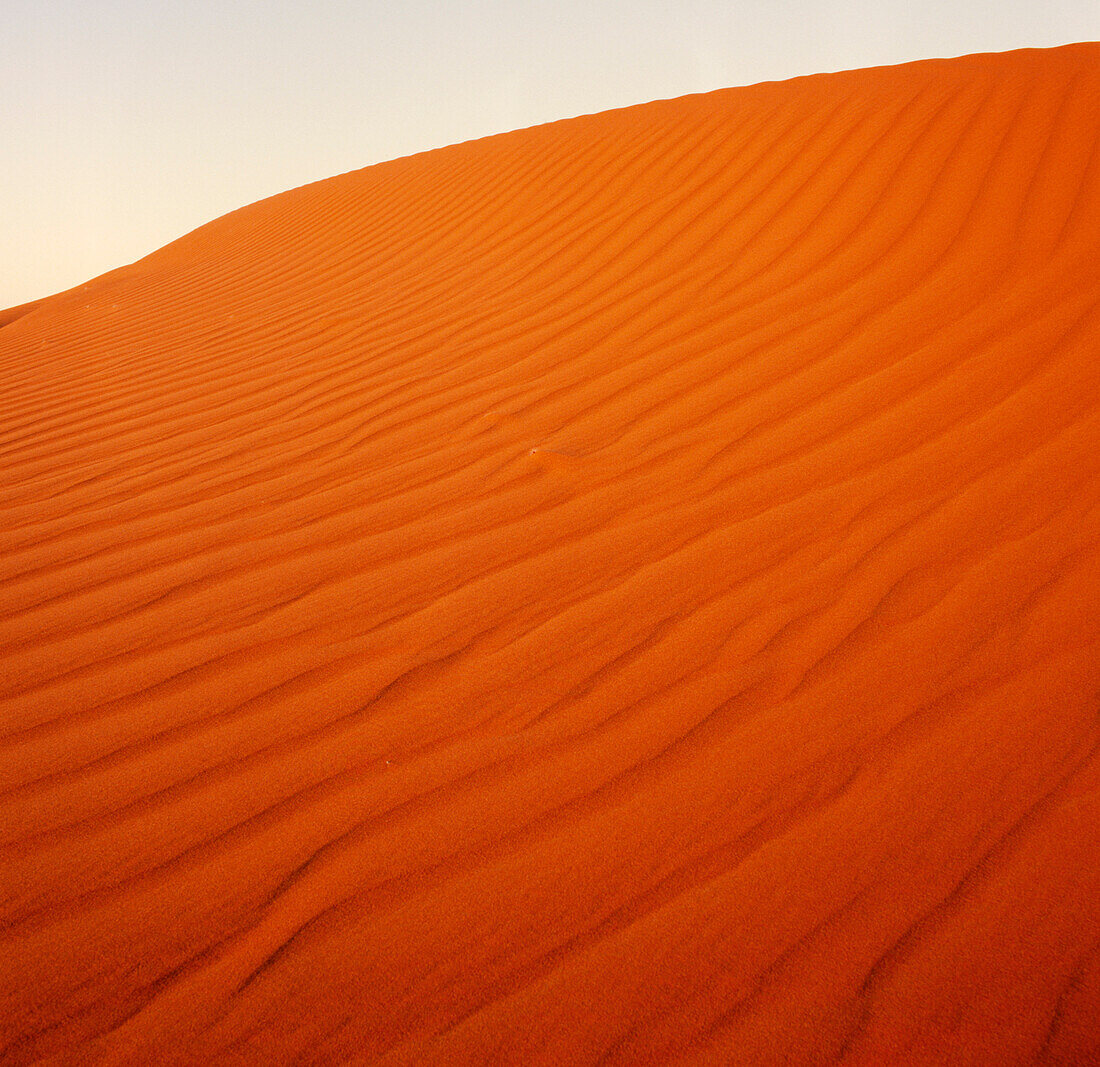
x=626, y=590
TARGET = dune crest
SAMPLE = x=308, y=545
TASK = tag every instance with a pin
x=626, y=590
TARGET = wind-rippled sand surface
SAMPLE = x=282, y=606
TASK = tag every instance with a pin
x=623, y=590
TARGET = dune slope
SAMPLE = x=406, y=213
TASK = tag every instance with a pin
x=626, y=590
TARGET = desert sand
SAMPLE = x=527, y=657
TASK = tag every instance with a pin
x=626, y=590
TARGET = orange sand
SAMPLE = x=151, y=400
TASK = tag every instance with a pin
x=624, y=590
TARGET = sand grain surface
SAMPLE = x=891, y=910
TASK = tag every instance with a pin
x=626, y=590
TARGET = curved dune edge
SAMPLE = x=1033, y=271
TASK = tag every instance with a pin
x=623, y=590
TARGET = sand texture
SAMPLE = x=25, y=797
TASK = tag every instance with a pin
x=622, y=591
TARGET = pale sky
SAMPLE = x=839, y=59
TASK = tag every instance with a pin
x=126, y=123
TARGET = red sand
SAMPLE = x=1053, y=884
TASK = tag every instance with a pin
x=627, y=589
